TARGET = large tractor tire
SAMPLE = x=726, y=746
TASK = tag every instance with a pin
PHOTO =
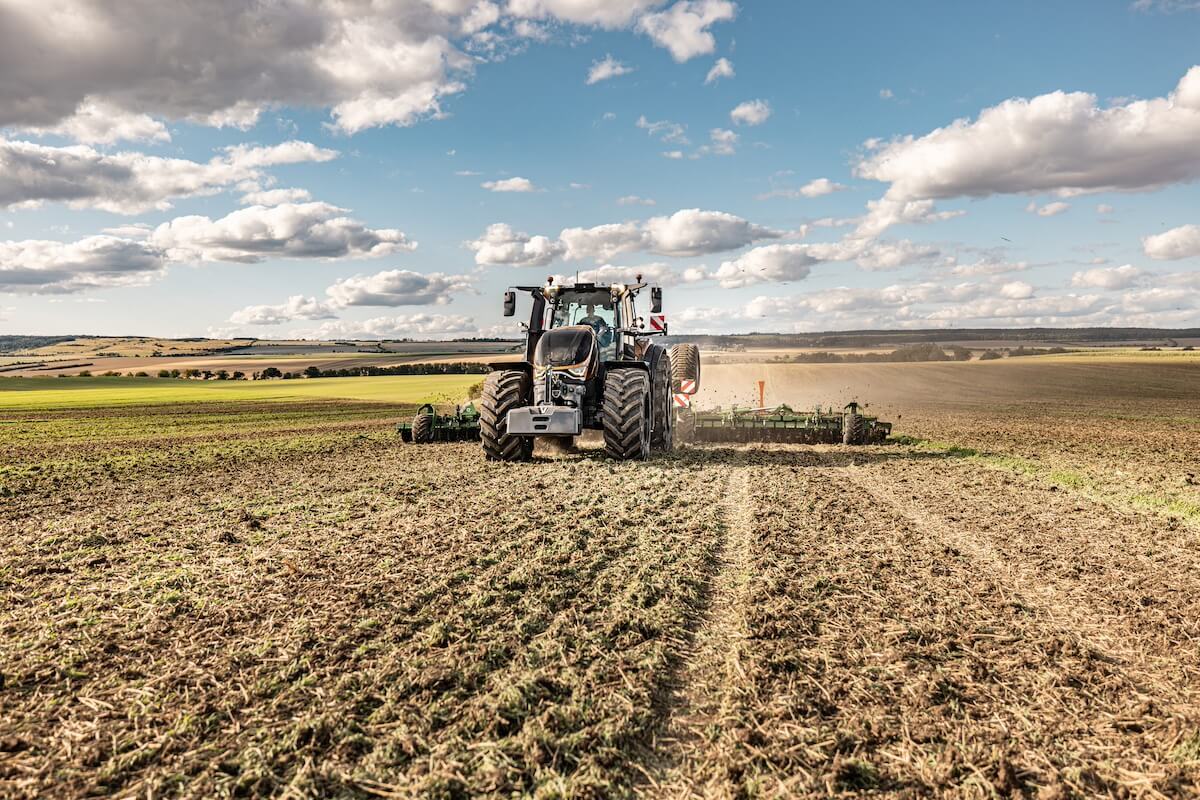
x=625, y=414
x=685, y=365
x=854, y=429
x=422, y=429
x=504, y=390
x=662, y=437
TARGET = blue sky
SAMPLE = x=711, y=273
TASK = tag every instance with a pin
x=778, y=166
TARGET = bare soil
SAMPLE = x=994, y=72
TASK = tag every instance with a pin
x=284, y=600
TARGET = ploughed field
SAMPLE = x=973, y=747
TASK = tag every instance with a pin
x=260, y=597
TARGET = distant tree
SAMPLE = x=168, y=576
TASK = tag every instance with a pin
x=141, y=374
x=164, y=373
x=87, y=373
x=989, y=355
x=312, y=372
x=287, y=376
x=239, y=376
x=174, y=373
x=959, y=353
x=222, y=375
x=271, y=372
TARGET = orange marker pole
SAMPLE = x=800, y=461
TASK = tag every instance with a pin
x=762, y=388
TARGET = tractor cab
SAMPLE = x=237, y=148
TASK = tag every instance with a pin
x=595, y=308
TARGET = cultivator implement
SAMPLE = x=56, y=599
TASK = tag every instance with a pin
x=781, y=424
x=429, y=426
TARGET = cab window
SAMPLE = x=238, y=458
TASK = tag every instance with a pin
x=585, y=308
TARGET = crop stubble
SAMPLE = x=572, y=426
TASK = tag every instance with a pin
x=321, y=610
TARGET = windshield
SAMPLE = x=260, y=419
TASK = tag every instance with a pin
x=595, y=309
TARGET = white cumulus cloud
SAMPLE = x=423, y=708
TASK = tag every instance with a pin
x=510, y=185
x=751, y=112
x=130, y=183
x=395, y=327
x=48, y=267
x=288, y=230
x=683, y=28
x=1063, y=143
x=779, y=263
x=1048, y=210
x=1107, y=277
x=398, y=287
x=606, y=68
x=723, y=68
x=296, y=307
x=689, y=232
x=501, y=245
x=1176, y=243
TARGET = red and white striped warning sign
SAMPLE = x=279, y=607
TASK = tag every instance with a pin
x=683, y=401
x=687, y=386
x=658, y=322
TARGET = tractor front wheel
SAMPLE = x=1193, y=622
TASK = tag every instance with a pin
x=504, y=390
x=626, y=414
x=422, y=429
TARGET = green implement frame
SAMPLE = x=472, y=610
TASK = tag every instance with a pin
x=783, y=424
x=430, y=426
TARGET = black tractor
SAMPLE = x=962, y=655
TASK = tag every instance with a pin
x=589, y=364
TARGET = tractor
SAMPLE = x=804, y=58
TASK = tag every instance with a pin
x=589, y=364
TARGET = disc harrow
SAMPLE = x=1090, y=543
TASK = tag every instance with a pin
x=429, y=426
x=785, y=425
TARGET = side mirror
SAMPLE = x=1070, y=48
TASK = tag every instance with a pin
x=656, y=300
x=510, y=303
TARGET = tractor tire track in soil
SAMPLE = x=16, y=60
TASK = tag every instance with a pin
x=884, y=656
x=1127, y=583
x=710, y=664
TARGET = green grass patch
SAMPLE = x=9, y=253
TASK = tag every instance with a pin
x=1184, y=508
x=1175, y=506
x=56, y=393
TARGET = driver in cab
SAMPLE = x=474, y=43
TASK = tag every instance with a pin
x=596, y=322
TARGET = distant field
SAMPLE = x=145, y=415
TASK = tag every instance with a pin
x=286, y=357
x=1091, y=379
x=50, y=393
x=767, y=354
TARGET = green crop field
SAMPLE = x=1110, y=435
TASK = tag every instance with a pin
x=50, y=393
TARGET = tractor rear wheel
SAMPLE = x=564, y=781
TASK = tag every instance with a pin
x=422, y=429
x=503, y=390
x=662, y=437
x=685, y=365
x=625, y=414
x=854, y=429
